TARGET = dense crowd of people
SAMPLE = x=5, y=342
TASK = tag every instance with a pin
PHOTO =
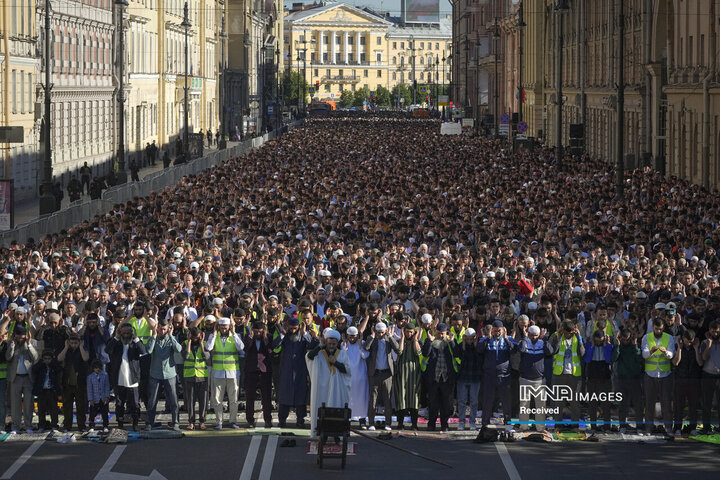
x=435, y=273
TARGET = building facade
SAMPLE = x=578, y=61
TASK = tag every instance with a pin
x=479, y=76
x=255, y=59
x=670, y=81
x=84, y=64
x=19, y=68
x=155, y=66
x=82, y=85
x=347, y=48
x=691, y=108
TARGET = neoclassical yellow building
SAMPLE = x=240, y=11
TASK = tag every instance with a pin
x=346, y=48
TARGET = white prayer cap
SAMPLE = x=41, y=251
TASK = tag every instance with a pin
x=224, y=321
x=210, y=318
x=380, y=327
x=330, y=333
x=470, y=332
x=426, y=318
x=352, y=331
x=534, y=329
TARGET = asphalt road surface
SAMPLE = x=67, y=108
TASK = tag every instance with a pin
x=259, y=457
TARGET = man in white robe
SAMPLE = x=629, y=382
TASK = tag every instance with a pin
x=359, y=390
x=329, y=368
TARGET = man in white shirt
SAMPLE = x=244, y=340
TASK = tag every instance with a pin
x=225, y=347
x=124, y=350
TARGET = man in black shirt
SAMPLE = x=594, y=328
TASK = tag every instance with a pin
x=53, y=333
x=687, y=381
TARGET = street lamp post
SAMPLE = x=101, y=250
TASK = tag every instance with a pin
x=443, y=80
x=412, y=47
x=620, y=125
x=496, y=113
x=48, y=204
x=437, y=78
x=467, y=73
x=121, y=173
x=223, y=66
x=560, y=8
x=298, y=83
x=278, y=93
x=521, y=90
x=186, y=135
x=478, y=44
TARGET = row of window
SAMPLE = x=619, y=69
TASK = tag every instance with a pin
x=71, y=126
x=339, y=39
x=420, y=45
x=366, y=74
x=84, y=53
x=21, y=18
x=22, y=91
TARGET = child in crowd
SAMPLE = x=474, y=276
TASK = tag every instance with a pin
x=98, y=392
x=46, y=388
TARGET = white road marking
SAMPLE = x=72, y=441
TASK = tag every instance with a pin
x=111, y=461
x=269, y=458
x=106, y=472
x=507, y=461
x=22, y=459
x=252, y=454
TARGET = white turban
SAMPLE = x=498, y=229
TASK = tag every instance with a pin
x=330, y=333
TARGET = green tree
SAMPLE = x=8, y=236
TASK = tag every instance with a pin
x=346, y=99
x=383, y=96
x=360, y=96
x=402, y=91
x=293, y=82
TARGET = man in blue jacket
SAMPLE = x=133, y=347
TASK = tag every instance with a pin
x=533, y=352
x=598, y=358
x=495, y=351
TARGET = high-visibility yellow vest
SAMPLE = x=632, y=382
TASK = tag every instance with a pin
x=657, y=359
x=559, y=357
x=422, y=358
x=455, y=361
x=11, y=326
x=225, y=357
x=276, y=334
x=195, y=366
x=458, y=335
x=3, y=367
x=142, y=328
x=608, y=328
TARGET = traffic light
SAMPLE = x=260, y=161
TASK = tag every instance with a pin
x=427, y=98
x=373, y=98
x=317, y=85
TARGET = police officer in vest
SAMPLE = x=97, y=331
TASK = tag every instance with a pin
x=495, y=351
x=195, y=377
x=658, y=350
x=567, y=344
x=225, y=347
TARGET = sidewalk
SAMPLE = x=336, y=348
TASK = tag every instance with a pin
x=28, y=210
